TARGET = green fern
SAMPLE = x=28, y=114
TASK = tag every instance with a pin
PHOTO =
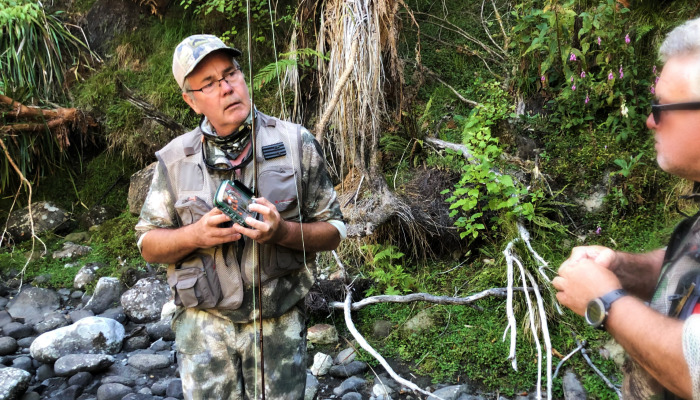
x=287, y=61
x=270, y=72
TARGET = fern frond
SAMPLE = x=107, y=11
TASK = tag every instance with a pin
x=269, y=72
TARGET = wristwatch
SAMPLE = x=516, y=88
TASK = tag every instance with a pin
x=597, y=309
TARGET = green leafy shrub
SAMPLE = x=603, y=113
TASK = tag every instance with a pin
x=484, y=198
x=391, y=277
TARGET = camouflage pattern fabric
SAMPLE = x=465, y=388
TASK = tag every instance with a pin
x=691, y=351
x=683, y=255
x=218, y=359
x=319, y=201
x=217, y=346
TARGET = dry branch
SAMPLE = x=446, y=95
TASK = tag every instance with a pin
x=409, y=298
x=441, y=144
x=151, y=111
x=597, y=371
x=445, y=24
x=55, y=120
x=437, y=78
x=486, y=29
x=563, y=360
x=363, y=343
x=339, y=86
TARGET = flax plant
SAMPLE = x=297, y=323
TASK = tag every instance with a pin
x=361, y=35
x=37, y=51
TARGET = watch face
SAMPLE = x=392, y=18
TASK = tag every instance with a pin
x=595, y=313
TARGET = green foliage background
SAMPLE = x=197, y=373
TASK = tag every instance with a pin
x=589, y=131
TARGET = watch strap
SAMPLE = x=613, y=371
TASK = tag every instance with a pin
x=611, y=297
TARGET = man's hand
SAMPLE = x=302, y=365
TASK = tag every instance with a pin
x=208, y=232
x=316, y=236
x=270, y=229
x=581, y=281
x=167, y=245
x=601, y=255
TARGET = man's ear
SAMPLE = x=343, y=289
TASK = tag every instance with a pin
x=191, y=102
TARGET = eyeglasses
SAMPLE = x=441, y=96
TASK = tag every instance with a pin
x=229, y=77
x=656, y=108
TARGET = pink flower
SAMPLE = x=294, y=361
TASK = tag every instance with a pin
x=583, y=74
x=610, y=75
x=652, y=89
x=598, y=230
x=656, y=80
x=573, y=87
x=599, y=40
x=587, y=99
x=572, y=78
x=572, y=57
x=542, y=78
x=627, y=38
x=621, y=73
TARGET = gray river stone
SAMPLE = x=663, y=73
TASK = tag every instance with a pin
x=344, y=371
x=144, y=301
x=352, y=384
x=8, y=345
x=148, y=362
x=32, y=303
x=71, y=364
x=13, y=382
x=106, y=295
x=113, y=391
x=92, y=335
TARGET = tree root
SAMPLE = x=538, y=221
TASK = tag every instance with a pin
x=59, y=121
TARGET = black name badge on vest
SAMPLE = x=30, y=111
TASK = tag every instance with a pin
x=274, y=150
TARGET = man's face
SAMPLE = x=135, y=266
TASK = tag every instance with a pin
x=677, y=135
x=228, y=106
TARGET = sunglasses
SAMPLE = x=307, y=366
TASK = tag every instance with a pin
x=656, y=108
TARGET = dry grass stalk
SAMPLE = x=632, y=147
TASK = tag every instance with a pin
x=361, y=105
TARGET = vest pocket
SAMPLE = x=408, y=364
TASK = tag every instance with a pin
x=191, y=209
x=278, y=185
x=195, y=282
x=278, y=261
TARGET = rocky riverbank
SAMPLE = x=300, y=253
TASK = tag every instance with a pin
x=116, y=343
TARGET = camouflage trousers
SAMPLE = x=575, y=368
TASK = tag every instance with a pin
x=218, y=358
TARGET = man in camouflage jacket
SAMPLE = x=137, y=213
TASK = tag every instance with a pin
x=642, y=300
x=211, y=262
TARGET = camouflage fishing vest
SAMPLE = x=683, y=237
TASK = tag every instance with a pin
x=675, y=296
x=220, y=278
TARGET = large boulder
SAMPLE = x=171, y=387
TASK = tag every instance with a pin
x=138, y=188
x=46, y=217
x=92, y=335
x=106, y=296
x=96, y=215
x=13, y=382
x=144, y=302
x=108, y=19
x=31, y=304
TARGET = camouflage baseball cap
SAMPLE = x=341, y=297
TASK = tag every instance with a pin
x=193, y=50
